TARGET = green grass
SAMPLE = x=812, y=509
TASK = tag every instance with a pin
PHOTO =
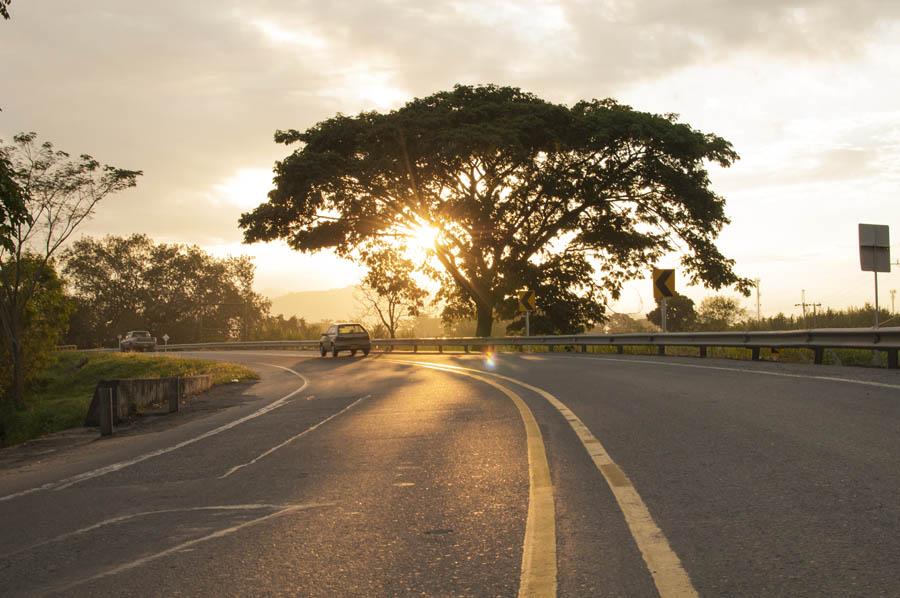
x=60, y=396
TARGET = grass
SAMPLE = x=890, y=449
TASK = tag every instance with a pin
x=59, y=397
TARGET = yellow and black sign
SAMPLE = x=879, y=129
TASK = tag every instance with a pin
x=527, y=301
x=663, y=283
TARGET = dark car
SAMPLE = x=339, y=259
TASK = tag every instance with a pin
x=138, y=340
x=345, y=337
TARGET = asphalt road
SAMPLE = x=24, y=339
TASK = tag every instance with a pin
x=447, y=475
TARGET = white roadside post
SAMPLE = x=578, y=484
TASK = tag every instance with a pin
x=165, y=338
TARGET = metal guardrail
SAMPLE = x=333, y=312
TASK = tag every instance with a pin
x=816, y=340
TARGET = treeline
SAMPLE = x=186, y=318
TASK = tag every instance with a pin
x=125, y=283
x=720, y=313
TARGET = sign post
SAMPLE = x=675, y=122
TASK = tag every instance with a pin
x=165, y=343
x=875, y=253
x=663, y=288
x=527, y=304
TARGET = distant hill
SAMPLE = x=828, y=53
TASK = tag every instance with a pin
x=315, y=306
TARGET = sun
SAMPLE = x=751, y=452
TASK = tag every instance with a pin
x=420, y=240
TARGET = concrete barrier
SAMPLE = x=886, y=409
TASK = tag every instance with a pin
x=134, y=396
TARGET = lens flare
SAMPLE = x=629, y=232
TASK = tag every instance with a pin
x=490, y=359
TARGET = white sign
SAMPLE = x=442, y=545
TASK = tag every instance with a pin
x=166, y=337
x=874, y=248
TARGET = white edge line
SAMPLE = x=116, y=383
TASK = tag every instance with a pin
x=292, y=439
x=740, y=370
x=82, y=477
x=123, y=518
x=158, y=555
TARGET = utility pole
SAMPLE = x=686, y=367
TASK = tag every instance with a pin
x=893, y=296
x=758, y=311
x=802, y=304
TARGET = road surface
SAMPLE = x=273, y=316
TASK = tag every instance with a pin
x=442, y=475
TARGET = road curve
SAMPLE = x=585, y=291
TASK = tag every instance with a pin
x=379, y=476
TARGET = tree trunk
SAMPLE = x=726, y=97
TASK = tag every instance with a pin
x=485, y=320
x=17, y=388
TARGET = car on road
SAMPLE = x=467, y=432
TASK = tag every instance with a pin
x=137, y=340
x=345, y=337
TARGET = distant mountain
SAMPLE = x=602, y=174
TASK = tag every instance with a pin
x=315, y=306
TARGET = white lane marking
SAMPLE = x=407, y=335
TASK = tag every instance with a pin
x=664, y=565
x=740, y=370
x=124, y=518
x=292, y=438
x=158, y=555
x=101, y=471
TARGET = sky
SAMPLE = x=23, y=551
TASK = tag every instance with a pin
x=808, y=92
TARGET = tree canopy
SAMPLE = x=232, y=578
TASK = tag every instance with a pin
x=514, y=186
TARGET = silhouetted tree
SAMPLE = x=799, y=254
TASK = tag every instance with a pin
x=680, y=314
x=4, y=11
x=508, y=180
x=60, y=193
x=13, y=211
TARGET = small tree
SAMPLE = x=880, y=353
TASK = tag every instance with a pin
x=680, y=314
x=59, y=193
x=719, y=313
x=389, y=290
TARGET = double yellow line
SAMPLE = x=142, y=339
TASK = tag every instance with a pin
x=539, y=574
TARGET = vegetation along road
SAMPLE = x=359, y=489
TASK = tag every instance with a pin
x=465, y=475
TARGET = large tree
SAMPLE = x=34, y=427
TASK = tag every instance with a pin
x=59, y=192
x=508, y=181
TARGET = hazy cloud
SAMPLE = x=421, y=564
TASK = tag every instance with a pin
x=191, y=92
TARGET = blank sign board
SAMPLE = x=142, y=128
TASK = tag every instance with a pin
x=874, y=248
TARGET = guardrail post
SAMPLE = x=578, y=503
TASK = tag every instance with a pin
x=754, y=353
x=415, y=348
x=440, y=348
x=466, y=348
x=520, y=348
x=702, y=351
x=892, y=358
x=661, y=350
x=175, y=401
x=107, y=412
x=818, y=355
x=584, y=348
x=620, y=349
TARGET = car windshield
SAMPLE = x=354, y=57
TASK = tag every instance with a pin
x=351, y=329
x=141, y=333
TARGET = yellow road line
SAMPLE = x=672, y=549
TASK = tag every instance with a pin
x=538, y=573
x=668, y=573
